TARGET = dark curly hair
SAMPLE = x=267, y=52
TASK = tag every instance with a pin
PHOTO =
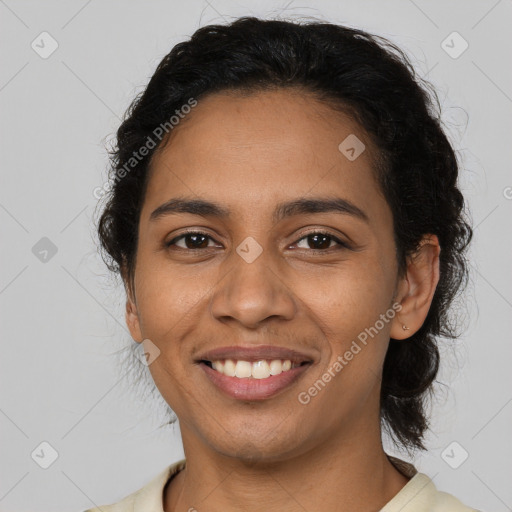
x=361, y=74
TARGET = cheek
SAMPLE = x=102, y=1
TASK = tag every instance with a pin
x=347, y=299
x=355, y=320
x=167, y=299
x=352, y=310
x=169, y=306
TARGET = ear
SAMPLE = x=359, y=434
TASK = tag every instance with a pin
x=416, y=289
x=132, y=315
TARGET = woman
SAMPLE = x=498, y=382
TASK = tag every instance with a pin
x=285, y=215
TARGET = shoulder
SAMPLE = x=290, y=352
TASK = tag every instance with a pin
x=445, y=502
x=148, y=498
x=421, y=495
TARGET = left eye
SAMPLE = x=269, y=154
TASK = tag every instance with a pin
x=197, y=240
x=322, y=240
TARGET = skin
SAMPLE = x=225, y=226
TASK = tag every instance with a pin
x=249, y=153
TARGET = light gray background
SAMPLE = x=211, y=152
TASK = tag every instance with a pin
x=63, y=319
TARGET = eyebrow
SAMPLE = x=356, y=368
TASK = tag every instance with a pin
x=284, y=210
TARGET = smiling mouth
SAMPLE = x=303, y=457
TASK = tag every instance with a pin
x=256, y=380
x=261, y=369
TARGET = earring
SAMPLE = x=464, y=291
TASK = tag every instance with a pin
x=405, y=328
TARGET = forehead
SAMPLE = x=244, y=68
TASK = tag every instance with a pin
x=253, y=151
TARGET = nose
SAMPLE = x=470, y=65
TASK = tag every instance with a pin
x=252, y=294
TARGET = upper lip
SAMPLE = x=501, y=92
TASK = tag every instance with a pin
x=255, y=353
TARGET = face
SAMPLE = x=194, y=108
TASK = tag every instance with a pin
x=313, y=279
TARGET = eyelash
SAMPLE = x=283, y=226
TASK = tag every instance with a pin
x=341, y=245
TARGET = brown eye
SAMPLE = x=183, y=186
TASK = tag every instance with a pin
x=320, y=241
x=317, y=241
x=192, y=240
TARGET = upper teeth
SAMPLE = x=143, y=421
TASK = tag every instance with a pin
x=258, y=370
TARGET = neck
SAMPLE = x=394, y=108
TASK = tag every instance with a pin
x=340, y=476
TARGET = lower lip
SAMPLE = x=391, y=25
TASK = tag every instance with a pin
x=254, y=389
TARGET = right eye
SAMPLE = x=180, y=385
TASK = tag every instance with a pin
x=192, y=240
